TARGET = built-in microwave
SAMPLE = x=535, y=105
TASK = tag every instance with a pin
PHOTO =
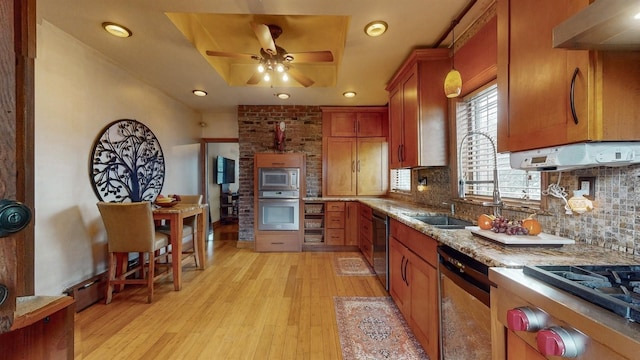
x=278, y=179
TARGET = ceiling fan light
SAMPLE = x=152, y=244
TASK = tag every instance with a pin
x=285, y=77
x=261, y=68
x=116, y=30
x=349, y=94
x=267, y=77
x=453, y=84
x=279, y=68
x=376, y=28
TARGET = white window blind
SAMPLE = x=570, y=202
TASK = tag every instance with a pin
x=479, y=113
x=401, y=180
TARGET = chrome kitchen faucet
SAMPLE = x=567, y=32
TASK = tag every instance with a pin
x=497, y=203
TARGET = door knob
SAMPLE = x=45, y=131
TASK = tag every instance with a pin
x=14, y=216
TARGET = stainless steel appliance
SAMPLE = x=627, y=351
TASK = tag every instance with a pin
x=278, y=199
x=278, y=214
x=381, y=247
x=582, y=312
x=465, y=316
x=278, y=179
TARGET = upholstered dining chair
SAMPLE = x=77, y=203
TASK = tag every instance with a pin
x=189, y=229
x=131, y=229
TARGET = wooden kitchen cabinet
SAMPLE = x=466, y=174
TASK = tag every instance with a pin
x=355, y=166
x=355, y=121
x=414, y=283
x=351, y=224
x=535, y=82
x=365, y=232
x=418, y=110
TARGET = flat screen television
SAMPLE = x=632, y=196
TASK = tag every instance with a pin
x=225, y=170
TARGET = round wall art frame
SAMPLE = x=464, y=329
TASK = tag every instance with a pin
x=127, y=163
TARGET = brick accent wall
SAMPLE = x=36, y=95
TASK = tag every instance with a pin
x=256, y=129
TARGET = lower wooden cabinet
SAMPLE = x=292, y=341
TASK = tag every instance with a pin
x=414, y=283
x=365, y=232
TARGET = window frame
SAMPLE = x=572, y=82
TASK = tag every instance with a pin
x=475, y=198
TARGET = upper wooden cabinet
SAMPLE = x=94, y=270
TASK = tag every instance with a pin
x=418, y=110
x=355, y=121
x=549, y=97
x=355, y=151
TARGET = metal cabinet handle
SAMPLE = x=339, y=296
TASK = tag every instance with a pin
x=572, y=95
x=353, y=166
x=399, y=155
x=406, y=279
x=358, y=165
x=401, y=269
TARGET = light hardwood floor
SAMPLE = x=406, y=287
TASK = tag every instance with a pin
x=244, y=305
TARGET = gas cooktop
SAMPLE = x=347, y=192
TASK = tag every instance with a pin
x=615, y=288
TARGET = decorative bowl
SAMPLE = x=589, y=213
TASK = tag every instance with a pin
x=166, y=204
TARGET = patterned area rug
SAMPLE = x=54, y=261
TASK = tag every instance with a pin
x=352, y=266
x=373, y=328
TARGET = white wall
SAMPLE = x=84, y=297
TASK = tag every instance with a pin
x=77, y=93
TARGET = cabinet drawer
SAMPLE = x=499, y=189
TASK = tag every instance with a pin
x=366, y=212
x=335, y=237
x=421, y=244
x=278, y=242
x=335, y=206
x=335, y=220
x=279, y=160
x=366, y=229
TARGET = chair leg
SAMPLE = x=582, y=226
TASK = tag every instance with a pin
x=111, y=276
x=150, y=276
x=195, y=249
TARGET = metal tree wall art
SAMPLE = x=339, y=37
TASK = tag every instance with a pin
x=127, y=163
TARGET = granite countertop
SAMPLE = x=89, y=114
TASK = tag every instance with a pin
x=489, y=252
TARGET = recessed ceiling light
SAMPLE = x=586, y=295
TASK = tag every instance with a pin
x=116, y=29
x=199, y=93
x=349, y=94
x=376, y=28
x=283, y=96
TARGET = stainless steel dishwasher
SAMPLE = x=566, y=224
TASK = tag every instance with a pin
x=465, y=316
x=381, y=247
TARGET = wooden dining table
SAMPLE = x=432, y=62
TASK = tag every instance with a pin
x=174, y=216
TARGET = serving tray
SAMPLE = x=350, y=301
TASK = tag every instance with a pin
x=542, y=239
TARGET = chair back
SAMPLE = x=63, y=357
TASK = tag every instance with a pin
x=191, y=199
x=129, y=226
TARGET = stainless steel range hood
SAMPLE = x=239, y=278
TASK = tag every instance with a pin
x=603, y=25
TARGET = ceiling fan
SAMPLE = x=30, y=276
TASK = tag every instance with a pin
x=275, y=60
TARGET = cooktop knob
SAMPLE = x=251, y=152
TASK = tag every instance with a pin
x=525, y=319
x=557, y=341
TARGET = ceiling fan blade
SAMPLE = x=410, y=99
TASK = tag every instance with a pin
x=264, y=38
x=299, y=77
x=312, y=56
x=232, y=55
x=254, y=79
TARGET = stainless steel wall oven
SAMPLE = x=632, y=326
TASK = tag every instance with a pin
x=278, y=199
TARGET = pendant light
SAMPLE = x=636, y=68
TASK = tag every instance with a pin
x=453, y=81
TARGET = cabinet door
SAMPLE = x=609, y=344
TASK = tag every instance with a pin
x=395, y=128
x=370, y=124
x=423, y=314
x=410, y=117
x=518, y=349
x=344, y=124
x=341, y=165
x=351, y=224
x=371, y=167
x=534, y=79
x=398, y=281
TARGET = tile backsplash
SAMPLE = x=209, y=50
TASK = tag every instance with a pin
x=613, y=223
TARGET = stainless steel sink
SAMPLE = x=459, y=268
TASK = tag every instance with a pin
x=443, y=221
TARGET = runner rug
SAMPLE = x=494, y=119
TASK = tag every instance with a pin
x=373, y=328
x=352, y=266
